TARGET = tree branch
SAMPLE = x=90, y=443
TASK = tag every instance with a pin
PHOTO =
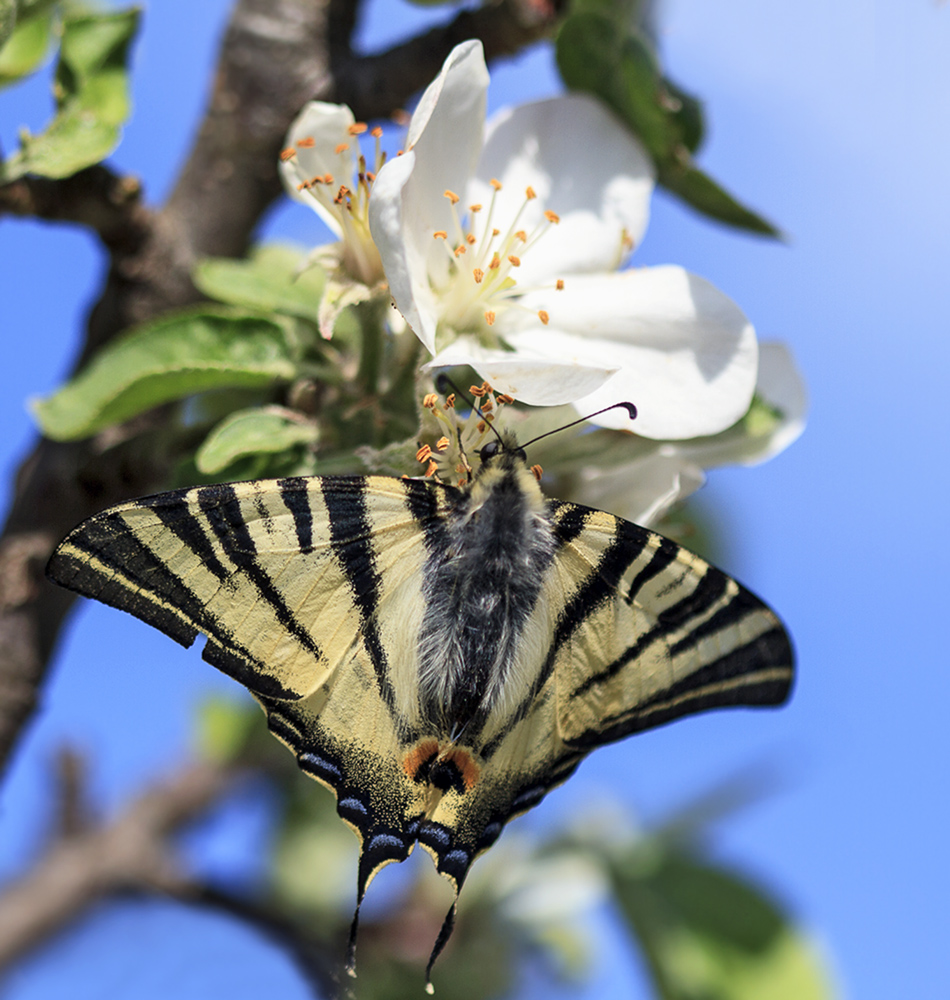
x=130, y=852
x=95, y=197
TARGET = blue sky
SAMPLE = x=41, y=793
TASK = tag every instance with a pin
x=834, y=120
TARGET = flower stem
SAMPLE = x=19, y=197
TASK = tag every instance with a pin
x=369, y=314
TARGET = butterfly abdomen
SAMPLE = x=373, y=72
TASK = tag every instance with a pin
x=480, y=593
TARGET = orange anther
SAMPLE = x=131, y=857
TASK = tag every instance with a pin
x=424, y=454
x=513, y=260
x=307, y=142
x=474, y=208
x=559, y=284
x=478, y=274
x=477, y=391
x=470, y=239
x=452, y=196
x=377, y=133
x=495, y=262
x=529, y=193
x=432, y=469
x=288, y=154
x=495, y=183
x=543, y=316
x=552, y=217
x=429, y=400
x=449, y=402
x=328, y=178
x=490, y=317
x=505, y=398
x=357, y=128
x=442, y=443
x=522, y=235
x=342, y=147
x=440, y=234
x=460, y=249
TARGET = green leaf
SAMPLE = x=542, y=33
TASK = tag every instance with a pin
x=92, y=98
x=167, y=360
x=26, y=48
x=709, y=934
x=8, y=16
x=704, y=194
x=268, y=281
x=600, y=51
x=257, y=430
x=223, y=728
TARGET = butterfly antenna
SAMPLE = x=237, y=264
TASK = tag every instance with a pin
x=629, y=407
x=440, y=384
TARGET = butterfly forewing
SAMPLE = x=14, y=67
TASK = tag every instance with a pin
x=664, y=635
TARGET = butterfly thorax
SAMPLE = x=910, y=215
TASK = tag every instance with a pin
x=480, y=592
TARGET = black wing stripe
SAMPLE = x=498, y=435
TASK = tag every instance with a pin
x=423, y=503
x=293, y=491
x=664, y=555
x=757, y=673
x=351, y=537
x=173, y=511
x=710, y=589
x=135, y=571
x=569, y=520
x=742, y=604
x=222, y=508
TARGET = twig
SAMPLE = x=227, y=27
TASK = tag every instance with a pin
x=97, y=198
x=131, y=852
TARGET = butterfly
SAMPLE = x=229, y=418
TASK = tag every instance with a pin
x=439, y=656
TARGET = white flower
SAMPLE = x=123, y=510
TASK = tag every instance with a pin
x=322, y=167
x=640, y=479
x=501, y=246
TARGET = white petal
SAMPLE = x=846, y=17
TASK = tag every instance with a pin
x=533, y=379
x=782, y=387
x=327, y=125
x=408, y=202
x=584, y=165
x=687, y=354
x=644, y=490
x=404, y=260
x=446, y=135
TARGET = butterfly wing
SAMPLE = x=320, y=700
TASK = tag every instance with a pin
x=638, y=631
x=653, y=633
x=308, y=590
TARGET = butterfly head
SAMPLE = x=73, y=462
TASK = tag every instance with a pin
x=503, y=452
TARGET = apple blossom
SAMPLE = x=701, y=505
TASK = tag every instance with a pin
x=323, y=168
x=501, y=248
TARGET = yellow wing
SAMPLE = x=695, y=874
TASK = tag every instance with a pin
x=309, y=592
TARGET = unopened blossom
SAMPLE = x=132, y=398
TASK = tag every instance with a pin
x=502, y=246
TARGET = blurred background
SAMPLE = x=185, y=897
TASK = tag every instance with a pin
x=833, y=121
